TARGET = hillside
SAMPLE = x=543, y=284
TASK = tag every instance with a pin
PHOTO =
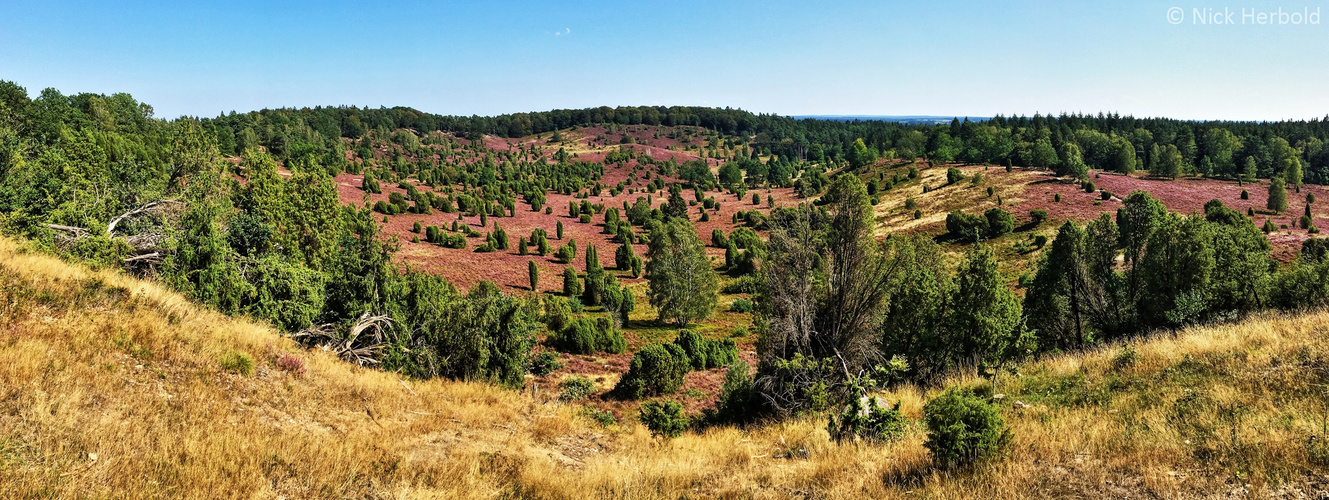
x=111, y=386
x=1019, y=191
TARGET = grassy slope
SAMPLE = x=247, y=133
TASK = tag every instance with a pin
x=92, y=363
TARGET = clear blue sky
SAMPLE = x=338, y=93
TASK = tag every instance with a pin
x=795, y=58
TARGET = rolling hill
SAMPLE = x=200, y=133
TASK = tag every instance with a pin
x=111, y=386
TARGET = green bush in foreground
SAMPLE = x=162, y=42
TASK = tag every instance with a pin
x=963, y=428
x=544, y=363
x=663, y=418
x=740, y=306
x=656, y=369
x=704, y=353
x=238, y=362
x=586, y=336
x=738, y=396
x=575, y=388
x=865, y=418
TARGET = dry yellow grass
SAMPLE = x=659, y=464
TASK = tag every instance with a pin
x=113, y=387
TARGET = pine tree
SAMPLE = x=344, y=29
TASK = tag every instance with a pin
x=1277, y=195
x=571, y=282
x=595, y=277
x=533, y=273
x=1249, y=169
x=986, y=313
x=623, y=256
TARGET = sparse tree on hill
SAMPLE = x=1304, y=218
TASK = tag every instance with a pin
x=682, y=284
x=986, y=314
x=533, y=272
x=1277, y=195
x=571, y=282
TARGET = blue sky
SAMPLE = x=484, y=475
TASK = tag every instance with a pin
x=792, y=58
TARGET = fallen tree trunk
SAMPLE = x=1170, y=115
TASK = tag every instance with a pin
x=110, y=227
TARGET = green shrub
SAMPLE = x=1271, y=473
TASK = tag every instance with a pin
x=738, y=396
x=999, y=222
x=953, y=175
x=866, y=419
x=285, y=293
x=575, y=388
x=452, y=241
x=748, y=283
x=571, y=282
x=558, y=313
x=1089, y=186
x=966, y=226
x=655, y=369
x=1038, y=216
x=636, y=266
x=664, y=418
x=483, y=335
x=740, y=306
x=800, y=382
x=545, y=363
x=602, y=417
x=1056, y=197
x=1104, y=195
x=918, y=214
x=586, y=336
x=704, y=353
x=566, y=254
x=1245, y=195
x=1040, y=240
x=963, y=428
x=238, y=362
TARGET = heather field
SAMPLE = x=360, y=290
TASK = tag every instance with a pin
x=1020, y=191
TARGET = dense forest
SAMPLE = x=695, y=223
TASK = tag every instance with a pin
x=206, y=206
x=1107, y=142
